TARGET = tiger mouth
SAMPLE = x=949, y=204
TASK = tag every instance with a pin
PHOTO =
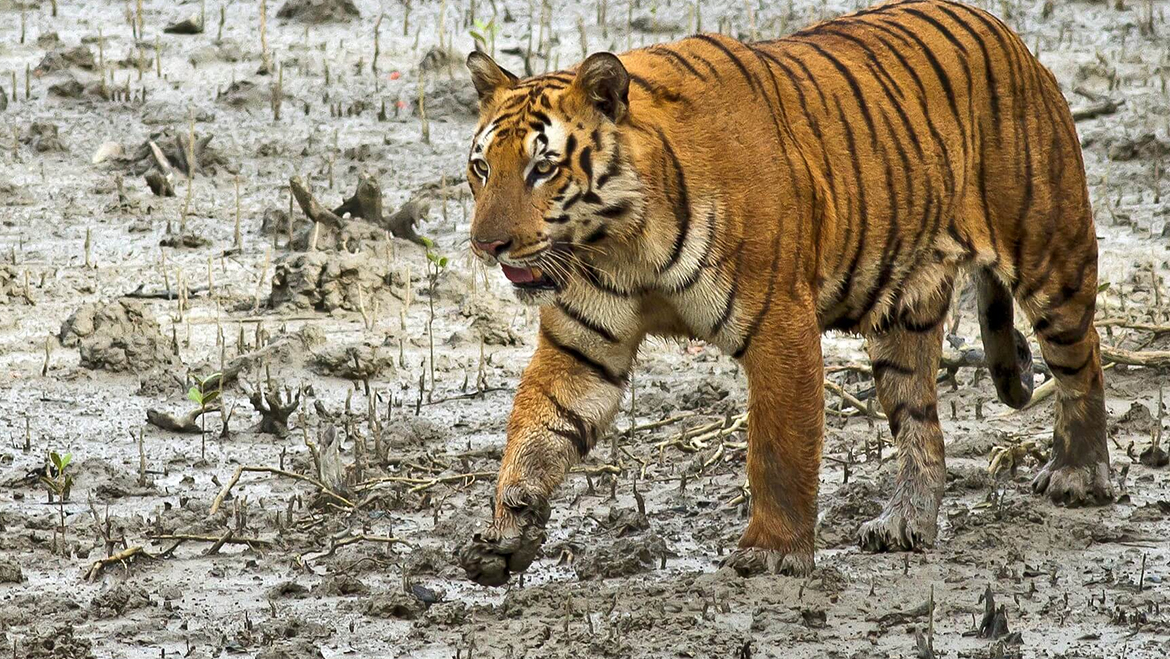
x=528, y=278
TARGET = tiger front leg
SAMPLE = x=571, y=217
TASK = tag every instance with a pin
x=566, y=399
x=785, y=432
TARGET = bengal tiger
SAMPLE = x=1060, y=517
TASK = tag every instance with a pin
x=756, y=195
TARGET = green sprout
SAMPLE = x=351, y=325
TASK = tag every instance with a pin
x=483, y=34
x=207, y=399
x=58, y=481
x=436, y=265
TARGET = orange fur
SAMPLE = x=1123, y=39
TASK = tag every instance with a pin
x=755, y=196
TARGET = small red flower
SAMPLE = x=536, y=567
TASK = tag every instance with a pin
x=394, y=75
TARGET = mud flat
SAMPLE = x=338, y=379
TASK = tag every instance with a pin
x=312, y=510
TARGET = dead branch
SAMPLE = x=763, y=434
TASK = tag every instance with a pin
x=312, y=207
x=187, y=423
x=123, y=556
x=189, y=537
x=421, y=484
x=1103, y=107
x=1125, y=323
x=1149, y=358
x=218, y=501
x=852, y=400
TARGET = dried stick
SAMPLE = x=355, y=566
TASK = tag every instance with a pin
x=97, y=566
x=215, y=504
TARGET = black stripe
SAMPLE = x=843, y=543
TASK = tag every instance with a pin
x=616, y=379
x=992, y=85
x=753, y=83
x=580, y=436
x=598, y=234
x=862, y=224
x=586, y=322
x=657, y=91
x=1071, y=370
x=677, y=61
x=882, y=367
x=939, y=72
x=585, y=162
x=570, y=147
x=616, y=210
x=558, y=219
x=923, y=327
x=855, y=86
x=679, y=202
x=729, y=304
x=572, y=200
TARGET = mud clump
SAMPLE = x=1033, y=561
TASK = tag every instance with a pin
x=175, y=146
x=116, y=336
x=80, y=57
x=394, y=605
x=323, y=281
x=10, y=572
x=55, y=642
x=450, y=99
x=118, y=600
x=490, y=323
x=623, y=558
x=42, y=137
x=291, y=649
x=362, y=361
x=319, y=11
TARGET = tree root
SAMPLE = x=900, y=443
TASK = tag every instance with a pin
x=365, y=204
x=275, y=407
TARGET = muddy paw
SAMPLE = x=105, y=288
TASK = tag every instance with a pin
x=750, y=561
x=509, y=544
x=895, y=530
x=1075, y=486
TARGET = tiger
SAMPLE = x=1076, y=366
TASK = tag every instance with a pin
x=757, y=195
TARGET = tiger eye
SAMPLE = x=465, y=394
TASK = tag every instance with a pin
x=480, y=168
x=545, y=167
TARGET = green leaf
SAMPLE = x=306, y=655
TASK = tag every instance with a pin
x=209, y=378
x=427, y=242
x=1103, y=287
x=443, y=262
x=56, y=460
x=195, y=396
x=65, y=460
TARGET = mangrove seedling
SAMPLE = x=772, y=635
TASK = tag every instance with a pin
x=436, y=265
x=58, y=481
x=205, y=393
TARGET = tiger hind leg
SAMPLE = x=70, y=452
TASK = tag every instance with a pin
x=1062, y=315
x=904, y=357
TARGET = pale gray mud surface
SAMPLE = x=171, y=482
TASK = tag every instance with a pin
x=309, y=576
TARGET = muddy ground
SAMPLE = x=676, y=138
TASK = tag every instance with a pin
x=113, y=298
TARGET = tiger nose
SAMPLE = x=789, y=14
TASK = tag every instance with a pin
x=494, y=248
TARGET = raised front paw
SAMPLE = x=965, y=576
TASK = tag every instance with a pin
x=900, y=527
x=510, y=543
x=750, y=561
x=1075, y=486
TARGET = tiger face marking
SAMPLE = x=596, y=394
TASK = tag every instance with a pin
x=548, y=191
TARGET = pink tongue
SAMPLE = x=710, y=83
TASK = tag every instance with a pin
x=518, y=275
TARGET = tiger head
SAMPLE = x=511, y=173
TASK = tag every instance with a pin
x=552, y=183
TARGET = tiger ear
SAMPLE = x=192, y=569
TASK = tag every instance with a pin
x=487, y=76
x=604, y=81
